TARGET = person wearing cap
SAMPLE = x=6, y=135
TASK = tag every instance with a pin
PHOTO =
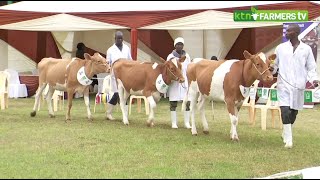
x=176, y=90
x=116, y=51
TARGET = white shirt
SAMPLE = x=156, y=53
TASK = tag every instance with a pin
x=295, y=69
x=176, y=90
x=113, y=54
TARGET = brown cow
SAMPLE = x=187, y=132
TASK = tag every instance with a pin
x=145, y=79
x=225, y=80
x=70, y=75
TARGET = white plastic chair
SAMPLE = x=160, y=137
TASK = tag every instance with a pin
x=146, y=103
x=250, y=102
x=273, y=106
x=16, y=89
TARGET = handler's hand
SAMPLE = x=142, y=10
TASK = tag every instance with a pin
x=316, y=83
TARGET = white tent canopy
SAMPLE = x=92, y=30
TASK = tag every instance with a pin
x=60, y=22
x=121, y=6
x=208, y=20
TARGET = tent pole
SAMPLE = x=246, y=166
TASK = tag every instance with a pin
x=204, y=44
x=134, y=43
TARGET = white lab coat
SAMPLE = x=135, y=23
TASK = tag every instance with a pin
x=176, y=90
x=113, y=54
x=295, y=69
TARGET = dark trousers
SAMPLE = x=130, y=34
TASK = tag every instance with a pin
x=173, y=105
x=288, y=115
x=115, y=99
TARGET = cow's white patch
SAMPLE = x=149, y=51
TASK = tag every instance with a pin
x=151, y=102
x=161, y=85
x=263, y=57
x=216, y=87
x=154, y=66
x=233, y=119
x=174, y=61
x=82, y=77
x=245, y=91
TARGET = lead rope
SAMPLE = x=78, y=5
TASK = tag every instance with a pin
x=316, y=87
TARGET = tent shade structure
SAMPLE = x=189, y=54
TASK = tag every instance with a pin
x=152, y=24
x=209, y=19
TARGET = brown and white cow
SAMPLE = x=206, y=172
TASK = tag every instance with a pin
x=70, y=75
x=145, y=79
x=227, y=81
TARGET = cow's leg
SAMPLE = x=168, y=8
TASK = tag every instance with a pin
x=122, y=103
x=49, y=101
x=152, y=104
x=37, y=99
x=232, y=109
x=152, y=98
x=70, y=98
x=203, y=114
x=193, y=97
x=87, y=102
x=236, y=112
x=126, y=106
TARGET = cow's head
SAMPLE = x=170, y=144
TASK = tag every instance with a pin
x=99, y=63
x=174, y=67
x=261, y=65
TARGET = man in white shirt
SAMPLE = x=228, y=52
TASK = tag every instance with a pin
x=116, y=51
x=177, y=91
x=295, y=63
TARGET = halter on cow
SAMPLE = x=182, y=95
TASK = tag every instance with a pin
x=145, y=79
x=225, y=80
x=68, y=75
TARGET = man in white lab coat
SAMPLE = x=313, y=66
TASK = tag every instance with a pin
x=116, y=51
x=176, y=90
x=295, y=65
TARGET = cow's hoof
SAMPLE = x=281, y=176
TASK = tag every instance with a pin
x=127, y=123
x=206, y=132
x=109, y=117
x=33, y=113
x=150, y=124
x=52, y=116
x=195, y=134
x=235, y=139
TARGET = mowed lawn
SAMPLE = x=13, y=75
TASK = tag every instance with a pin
x=43, y=147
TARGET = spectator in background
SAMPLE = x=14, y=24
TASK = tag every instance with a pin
x=177, y=90
x=214, y=58
x=81, y=49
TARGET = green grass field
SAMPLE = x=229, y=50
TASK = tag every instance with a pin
x=43, y=147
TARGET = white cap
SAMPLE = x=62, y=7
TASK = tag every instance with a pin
x=177, y=40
